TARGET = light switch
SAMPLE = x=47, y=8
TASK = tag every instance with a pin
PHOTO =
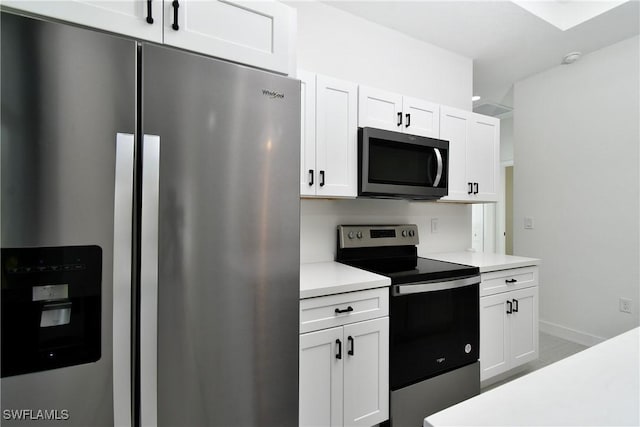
x=528, y=223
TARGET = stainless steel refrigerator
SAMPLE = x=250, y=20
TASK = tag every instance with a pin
x=150, y=234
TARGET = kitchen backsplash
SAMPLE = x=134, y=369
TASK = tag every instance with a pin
x=319, y=219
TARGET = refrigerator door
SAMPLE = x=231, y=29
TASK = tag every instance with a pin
x=68, y=100
x=227, y=245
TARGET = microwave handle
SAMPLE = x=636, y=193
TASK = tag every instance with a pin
x=440, y=167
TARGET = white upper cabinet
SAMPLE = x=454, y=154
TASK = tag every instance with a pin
x=421, y=117
x=379, y=109
x=255, y=33
x=329, y=138
x=474, y=155
x=135, y=18
x=390, y=111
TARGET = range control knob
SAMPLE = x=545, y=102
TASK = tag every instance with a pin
x=412, y=233
x=350, y=235
x=359, y=234
x=404, y=233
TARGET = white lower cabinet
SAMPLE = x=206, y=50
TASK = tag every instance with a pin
x=344, y=372
x=508, y=326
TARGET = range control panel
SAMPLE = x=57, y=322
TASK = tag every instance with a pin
x=363, y=236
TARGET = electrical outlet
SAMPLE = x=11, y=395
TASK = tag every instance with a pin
x=434, y=225
x=625, y=305
x=528, y=223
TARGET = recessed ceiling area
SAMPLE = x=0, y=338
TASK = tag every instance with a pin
x=506, y=42
x=565, y=14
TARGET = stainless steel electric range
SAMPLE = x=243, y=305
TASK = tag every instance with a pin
x=434, y=319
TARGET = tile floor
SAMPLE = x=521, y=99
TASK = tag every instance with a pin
x=552, y=349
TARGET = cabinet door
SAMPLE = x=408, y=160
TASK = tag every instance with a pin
x=255, y=33
x=421, y=117
x=321, y=374
x=524, y=325
x=494, y=336
x=308, y=173
x=483, y=154
x=336, y=137
x=366, y=372
x=380, y=109
x=454, y=127
x=127, y=17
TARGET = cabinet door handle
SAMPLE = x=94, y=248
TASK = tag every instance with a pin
x=400, y=118
x=339, y=353
x=475, y=184
x=352, y=347
x=346, y=310
x=515, y=305
x=408, y=120
x=149, y=12
x=509, y=281
x=470, y=184
x=510, y=309
x=310, y=177
x=321, y=178
x=175, y=5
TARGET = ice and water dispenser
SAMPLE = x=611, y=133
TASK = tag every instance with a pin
x=51, y=307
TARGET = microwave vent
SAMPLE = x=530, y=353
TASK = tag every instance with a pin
x=492, y=109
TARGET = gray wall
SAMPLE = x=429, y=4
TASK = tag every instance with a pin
x=576, y=136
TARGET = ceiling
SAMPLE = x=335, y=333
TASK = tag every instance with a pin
x=506, y=42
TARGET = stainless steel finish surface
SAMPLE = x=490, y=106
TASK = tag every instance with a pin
x=359, y=236
x=149, y=280
x=66, y=92
x=440, y=166
x=432, y=286
x=228, y=265
x=410, y=405
x=122, y=237
x=55, y=315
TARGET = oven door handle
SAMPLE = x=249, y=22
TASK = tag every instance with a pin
x=418, y=288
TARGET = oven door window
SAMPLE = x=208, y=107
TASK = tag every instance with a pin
x=397, y=163
x=432, y=333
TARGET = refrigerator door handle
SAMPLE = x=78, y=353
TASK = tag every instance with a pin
x=149, y=280
x=122, y=233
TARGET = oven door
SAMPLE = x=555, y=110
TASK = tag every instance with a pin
x=393, y=164
x=434, y=328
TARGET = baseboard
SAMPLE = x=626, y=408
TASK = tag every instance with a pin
x=569, y=334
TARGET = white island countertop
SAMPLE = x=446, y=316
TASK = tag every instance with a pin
x=599, y=386
x=486, y=261
x=328, y=278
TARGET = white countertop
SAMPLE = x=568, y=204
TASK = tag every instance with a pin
x=599, y=386
x=486, y=261
x=328, y=278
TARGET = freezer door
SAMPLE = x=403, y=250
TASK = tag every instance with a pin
x=68, y=102
x=228, y=242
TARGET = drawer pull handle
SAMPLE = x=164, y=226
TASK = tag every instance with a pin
x=515, y=305
x=510, y=309
x=339, y=354
x=346, y=310
x=352, y=350
x=511, y=281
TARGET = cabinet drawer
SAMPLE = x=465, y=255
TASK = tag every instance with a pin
x=341, y=309
x=495, y=282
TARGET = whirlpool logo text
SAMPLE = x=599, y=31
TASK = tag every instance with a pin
x=273, y=95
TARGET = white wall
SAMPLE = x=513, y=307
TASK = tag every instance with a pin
x=338, y=44
x=576, y=155
x=506, y=139
x=320, y=218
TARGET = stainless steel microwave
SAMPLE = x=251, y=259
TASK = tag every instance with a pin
x=401, y=166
